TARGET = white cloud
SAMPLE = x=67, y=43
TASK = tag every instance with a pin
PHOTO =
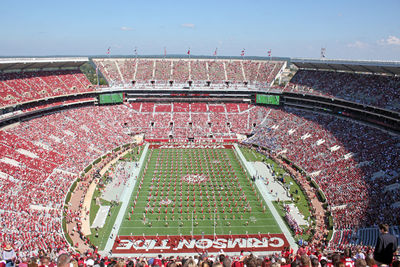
x=188, y=25
x=391, y=40
x=124, y=28
x=357, y=44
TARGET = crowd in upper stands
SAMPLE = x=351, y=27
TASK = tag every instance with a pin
x=18, y=87
x=161, y=71
x=374, y=90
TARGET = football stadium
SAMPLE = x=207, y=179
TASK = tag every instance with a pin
x=198, y=160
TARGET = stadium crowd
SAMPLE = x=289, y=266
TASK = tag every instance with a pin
x=374, y=90
x=18, y=87
x=355, y=165
x=306, y=256
x=161, y=71
x=40, y=158
x=46, y=155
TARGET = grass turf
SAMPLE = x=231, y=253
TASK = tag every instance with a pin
x=251, y=155
x=226, y=182
x=133, y=154
x=104, y=233
x=299, y=198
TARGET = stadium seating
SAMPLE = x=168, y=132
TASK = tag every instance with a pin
x=108, y=68
x=375, y=90
x=19, y=87
x=347, y=159
x=162, y=71
x=127, y=68
x=216, y=71
x=266, y=71
x=181, y=107
x=351, y=162
x=199, y=70
x=71, y=81
x=366, y=236
x=180, y=71
x=234, y=71
x=355, y=165
x=251, y=70
x=163, y=108
x=144, y=71
x=123, y=71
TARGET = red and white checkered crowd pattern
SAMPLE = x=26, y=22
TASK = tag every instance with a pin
x=18, y=87
x=119, y=71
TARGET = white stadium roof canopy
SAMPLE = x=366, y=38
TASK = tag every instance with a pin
x=41, y=63
x=368, y=66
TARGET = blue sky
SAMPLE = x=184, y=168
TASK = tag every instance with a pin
x=351, y=29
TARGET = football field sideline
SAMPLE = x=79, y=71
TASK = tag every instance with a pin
x=264, y=193
x=125, y=202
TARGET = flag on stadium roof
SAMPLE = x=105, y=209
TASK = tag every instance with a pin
x=323, y=51
x=242, y=54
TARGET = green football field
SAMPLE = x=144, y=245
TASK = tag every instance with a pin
x=206, y=190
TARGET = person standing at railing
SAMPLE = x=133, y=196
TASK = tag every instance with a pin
x=8, y=255
x=385, y=247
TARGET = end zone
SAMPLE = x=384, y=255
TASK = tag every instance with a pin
x=199, y=244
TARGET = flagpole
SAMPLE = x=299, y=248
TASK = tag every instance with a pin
x=108, y=51
x=136, y=53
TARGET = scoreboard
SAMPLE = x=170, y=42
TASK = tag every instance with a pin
x=114, y=98
x=267, y=99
